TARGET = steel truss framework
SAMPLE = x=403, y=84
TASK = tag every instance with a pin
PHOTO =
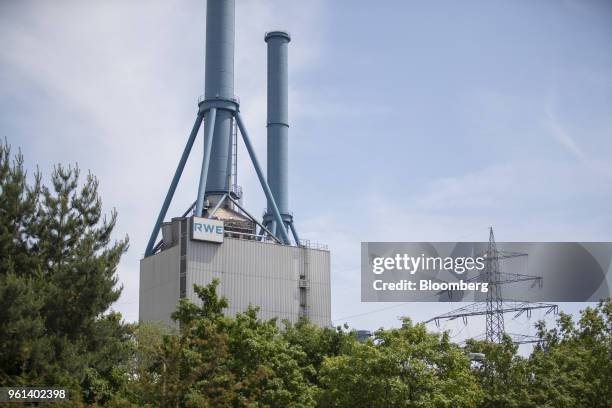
x=495, y=307
x=208, y=109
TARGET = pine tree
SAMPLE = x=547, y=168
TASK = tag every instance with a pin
x=57, y=279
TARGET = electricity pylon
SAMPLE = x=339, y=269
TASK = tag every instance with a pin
x=495, y=306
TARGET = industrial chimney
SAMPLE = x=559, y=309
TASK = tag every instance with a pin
x=219, y=85
x=217, y=237
x=278, y=128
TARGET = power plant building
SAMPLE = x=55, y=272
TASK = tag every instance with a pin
x=284, y=281
x=260, y=263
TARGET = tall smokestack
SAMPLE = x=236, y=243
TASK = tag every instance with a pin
x=219, y=109
x=278, y=122
x=219, y=84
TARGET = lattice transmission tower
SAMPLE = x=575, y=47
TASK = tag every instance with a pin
x=495, y=306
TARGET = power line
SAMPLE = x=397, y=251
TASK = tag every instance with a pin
x=422, y=298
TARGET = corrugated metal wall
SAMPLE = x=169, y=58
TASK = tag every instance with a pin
x=250, y=272
x=159, y=286
x=264, y=275
x=318, y=298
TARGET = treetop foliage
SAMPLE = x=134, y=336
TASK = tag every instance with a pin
x=57, y=278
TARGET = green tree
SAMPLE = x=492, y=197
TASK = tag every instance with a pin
x=316, y=343
x=405, y=367
x=220, y=361
x=57, y=280
x=503, y=375
x=572, y=365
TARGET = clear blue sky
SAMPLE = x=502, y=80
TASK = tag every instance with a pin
x=410, y=121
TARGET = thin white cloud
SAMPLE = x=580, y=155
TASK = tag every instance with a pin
x=561, y=135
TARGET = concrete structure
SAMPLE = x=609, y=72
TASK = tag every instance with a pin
x=284, y=281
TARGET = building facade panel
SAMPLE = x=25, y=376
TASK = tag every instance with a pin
x=283, y=281
x=159, y=286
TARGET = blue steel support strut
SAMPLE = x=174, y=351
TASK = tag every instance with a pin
x=209, y=130
x=173, y=184
x=254, y=219
x=262, y=179
x=214, y=210
x=295, y=234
